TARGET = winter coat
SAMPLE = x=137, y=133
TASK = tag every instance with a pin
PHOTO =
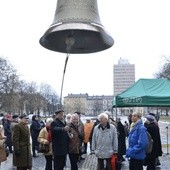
x=35, y=130
x=60, y=138
x=2, y=148
x=104, y=142
x=8, y=133
x=137, y=142
x=153, y=130
x=12, y=127
x=87, y=131
x=91, y=134
x=121, y=139
x=43, y=138
x=76, y=139
x=81, y=128
x=21, y=143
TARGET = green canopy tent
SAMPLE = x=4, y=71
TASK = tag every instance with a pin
x=145, y=93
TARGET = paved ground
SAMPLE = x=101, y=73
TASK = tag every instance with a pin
x=88, y=164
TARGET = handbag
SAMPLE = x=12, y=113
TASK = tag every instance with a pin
x=82, y=150
x=6, y=150
x=43, y=148
x=115, y=164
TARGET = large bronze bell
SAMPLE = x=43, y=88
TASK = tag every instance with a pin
x=76, y=29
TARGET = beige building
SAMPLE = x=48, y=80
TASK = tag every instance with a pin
x=89, y=105
x=75, y=102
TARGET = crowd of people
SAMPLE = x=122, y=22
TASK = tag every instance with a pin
x=66, y=134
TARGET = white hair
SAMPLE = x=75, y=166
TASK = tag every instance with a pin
x=139, y=115
x=49, y=120
x=68, y=115
x=68, y=118
x=74, y=116
x=103, y=115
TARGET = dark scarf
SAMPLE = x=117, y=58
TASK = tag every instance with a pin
x=49, y=133
x=107, y=126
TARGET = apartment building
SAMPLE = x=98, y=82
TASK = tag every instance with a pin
x=123, y=76
x=75, y=102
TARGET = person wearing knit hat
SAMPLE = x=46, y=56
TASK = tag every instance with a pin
x=156, y=116
x=153, y=129
x=150, y=118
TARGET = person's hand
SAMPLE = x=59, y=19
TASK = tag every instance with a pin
x=47, y=142
x=66, y=128
x=17, y=153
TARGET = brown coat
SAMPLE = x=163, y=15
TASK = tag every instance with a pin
x=75, y=142
x=21, y=142
x=2, y=148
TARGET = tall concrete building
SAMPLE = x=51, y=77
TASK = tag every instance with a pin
x=123, y=76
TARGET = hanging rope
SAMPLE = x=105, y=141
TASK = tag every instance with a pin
x=69, y=43
x=64, y=71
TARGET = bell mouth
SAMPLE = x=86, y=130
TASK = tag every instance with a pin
x=86, y=38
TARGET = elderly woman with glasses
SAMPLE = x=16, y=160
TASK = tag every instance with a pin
x=76, y=138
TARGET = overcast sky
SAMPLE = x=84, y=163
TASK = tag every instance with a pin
x=140, y=29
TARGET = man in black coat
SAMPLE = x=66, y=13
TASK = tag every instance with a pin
x=60, y=140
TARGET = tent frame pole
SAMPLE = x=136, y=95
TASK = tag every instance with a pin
x=167, y=127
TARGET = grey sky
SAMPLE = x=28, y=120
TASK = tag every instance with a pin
x=140, y=29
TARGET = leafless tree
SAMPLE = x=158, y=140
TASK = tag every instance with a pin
x=18, y=96
x=51, y=98
x=164, y=72
x=9, y=82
